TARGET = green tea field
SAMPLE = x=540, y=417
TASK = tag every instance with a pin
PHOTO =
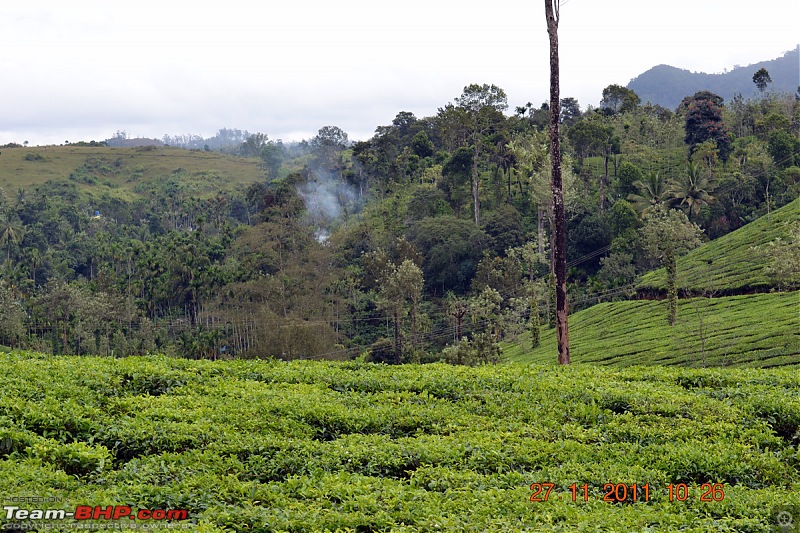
x=752, y=330
x=734, y=263
x=269, y=446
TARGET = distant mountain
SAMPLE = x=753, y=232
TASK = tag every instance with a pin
x=667, y=86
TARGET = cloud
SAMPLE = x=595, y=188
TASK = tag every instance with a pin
x=173, y=66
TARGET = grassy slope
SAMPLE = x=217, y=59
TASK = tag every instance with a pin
x=734, y=264
x=758, y=330
x=320, y=446
x=123, y=168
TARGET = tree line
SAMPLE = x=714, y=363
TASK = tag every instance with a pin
x=435, y=232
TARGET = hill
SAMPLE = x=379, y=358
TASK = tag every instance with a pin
x=729, y=264
x=758, y=330
x=320, y=446
x=122, y=169
x=666, y=85
x=752, y=330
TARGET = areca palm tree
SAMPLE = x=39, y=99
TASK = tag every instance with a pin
x=652, y=191
x=11, y=230
x=13, y=274
x=692, y=189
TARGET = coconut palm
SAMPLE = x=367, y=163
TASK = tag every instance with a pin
x=652, y=191
x=692, y=189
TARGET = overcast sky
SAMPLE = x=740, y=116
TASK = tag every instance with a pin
x=83, y=69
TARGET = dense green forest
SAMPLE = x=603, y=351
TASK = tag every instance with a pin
x=433, y=232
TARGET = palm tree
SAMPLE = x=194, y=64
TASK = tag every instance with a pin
x=692, y=189
x=652, y=191
x=11, y=230
x=13, y=274
x=21, y=194
x=34, y=258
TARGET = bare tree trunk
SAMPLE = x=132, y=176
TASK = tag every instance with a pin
x=475, y=179
x=603, y=181
x=559, y=222
x=540, y=228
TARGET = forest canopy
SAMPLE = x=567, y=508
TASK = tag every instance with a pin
x=434, y=231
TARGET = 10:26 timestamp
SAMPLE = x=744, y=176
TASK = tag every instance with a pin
x=621, y=492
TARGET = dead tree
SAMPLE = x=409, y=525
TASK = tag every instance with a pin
x=559, y=223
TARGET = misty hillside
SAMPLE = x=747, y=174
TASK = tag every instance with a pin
x=666, y=85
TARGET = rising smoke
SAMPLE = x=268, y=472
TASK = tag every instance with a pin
x=329, y=202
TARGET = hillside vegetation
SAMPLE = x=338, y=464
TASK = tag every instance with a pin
x=759, y=330
x=435, y=231
x=122, y=169
x=319, y=446
x=732, y=263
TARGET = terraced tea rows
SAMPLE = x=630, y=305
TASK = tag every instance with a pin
x=758, y=330
x=315, y=446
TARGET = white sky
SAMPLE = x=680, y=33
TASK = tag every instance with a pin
x=83, y=69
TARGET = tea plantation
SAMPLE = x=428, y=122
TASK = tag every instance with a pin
x=732, y=264
x=320, y=446
x=751, y=330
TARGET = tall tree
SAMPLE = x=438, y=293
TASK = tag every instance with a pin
x=590, y=137
x=704, y=122
x=477, y=114
x=457, y=307
x=570, y=110
x=667, y=234
x=619, y=99
x=253, y=145
x=12, y=317
x=559, y=221
x=327, y=146
x=400, y=286
x=530, y=152
x=11, y=230
x=761, y=78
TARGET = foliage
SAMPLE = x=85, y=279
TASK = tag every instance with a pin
x=452, y=248
x=481, y=348
x=265, y=249
x=400, y=294
x=761, y=78
x=627, y=175
x=12, y=317
x=728, y=263
x=315, y=446
x=704, y=121
x=653, y=192
x=784, y=257
x=666, y=235
x=784, y=148
x=628, y=333
x=618, y=99
x=692, y=189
